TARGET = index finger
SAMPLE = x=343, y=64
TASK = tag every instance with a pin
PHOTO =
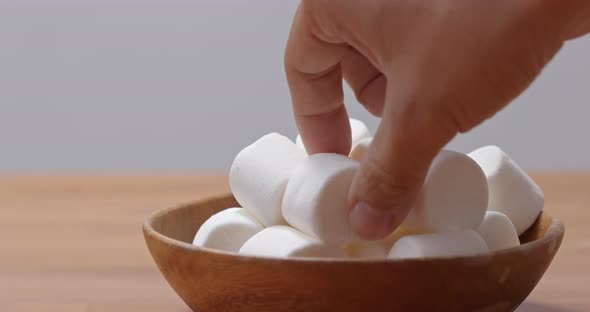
x=312, y=65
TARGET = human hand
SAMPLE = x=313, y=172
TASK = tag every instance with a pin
x=429, y=69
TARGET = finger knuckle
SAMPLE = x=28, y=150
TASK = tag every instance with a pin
x=462, y=117
x=382, y=184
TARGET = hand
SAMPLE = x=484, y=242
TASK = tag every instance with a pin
x=429, y=69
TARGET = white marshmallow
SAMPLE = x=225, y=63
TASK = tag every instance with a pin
x=512, y=191
x=283, y=241
x=367, y=249
x=377, y=249
x=315, y=200
x=449, y=244
x=498, y=232
x=299, y=142
x=359, y=150
x=227, y=230
x=358, y=131
x=454, y=196
x=259, y=175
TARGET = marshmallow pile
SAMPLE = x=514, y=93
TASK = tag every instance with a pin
x=295, y=205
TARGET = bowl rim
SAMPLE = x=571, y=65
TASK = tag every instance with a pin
x=555, y=231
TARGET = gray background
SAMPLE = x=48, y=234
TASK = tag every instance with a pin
x=173, y=86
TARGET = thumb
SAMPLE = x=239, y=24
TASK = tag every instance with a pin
x=392, y=172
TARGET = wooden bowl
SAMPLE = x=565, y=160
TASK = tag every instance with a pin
x=209, y=280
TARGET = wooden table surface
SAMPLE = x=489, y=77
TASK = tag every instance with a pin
x=74, y=244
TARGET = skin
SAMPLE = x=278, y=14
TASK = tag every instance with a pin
x=429, y=69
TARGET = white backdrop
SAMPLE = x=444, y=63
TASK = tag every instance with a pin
x=181, y=86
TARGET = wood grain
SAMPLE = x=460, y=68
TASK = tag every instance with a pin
x=75, y=243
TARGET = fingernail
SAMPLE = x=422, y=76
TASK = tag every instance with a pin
x=371, y=223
